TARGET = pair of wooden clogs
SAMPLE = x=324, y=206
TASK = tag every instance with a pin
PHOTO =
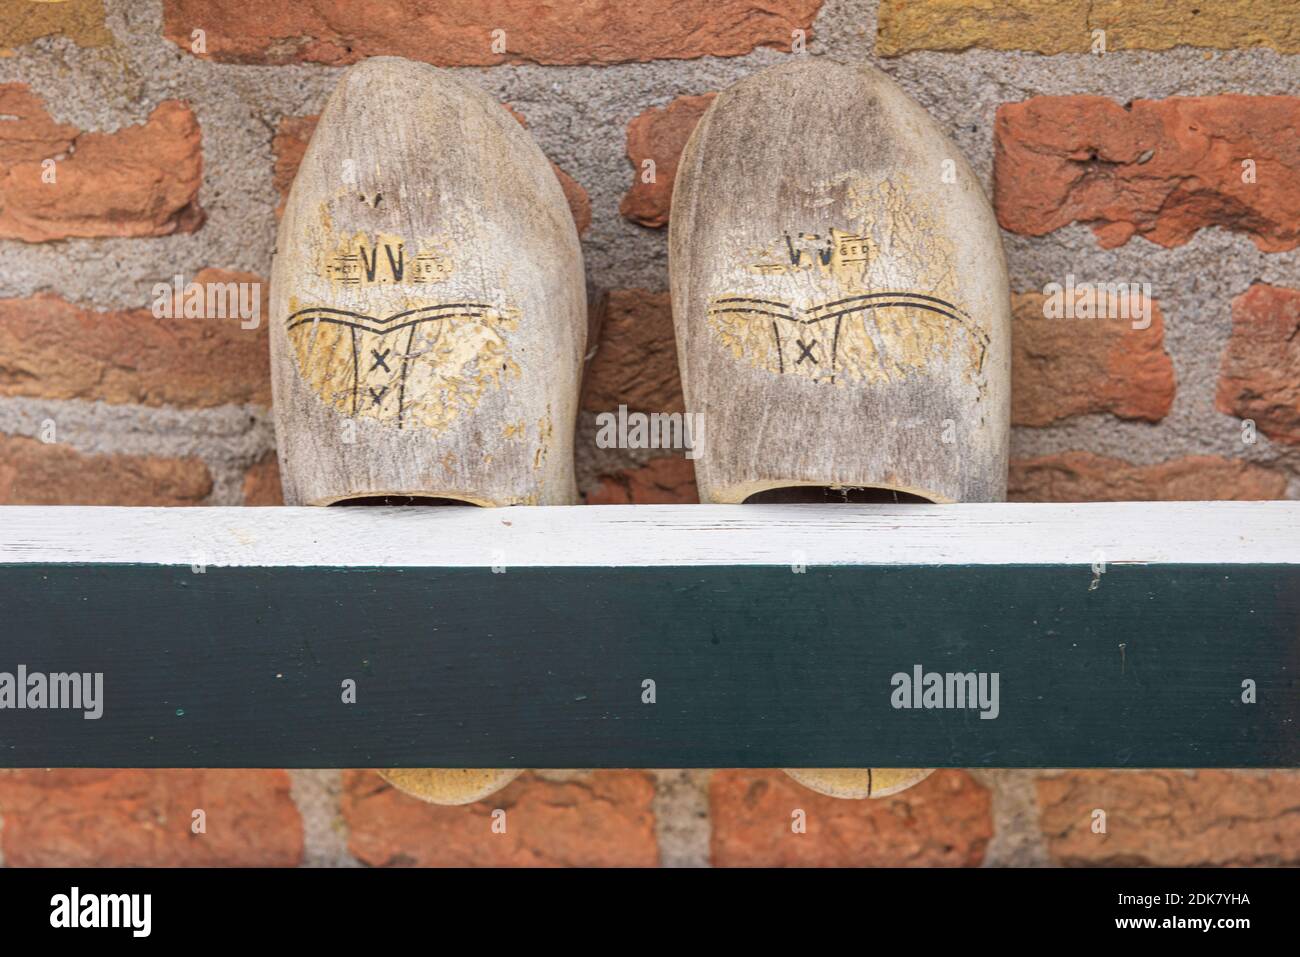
x=839, y=294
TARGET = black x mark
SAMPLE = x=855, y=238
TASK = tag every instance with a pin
x=379, y=360
x=805, y=351
x=378, y=396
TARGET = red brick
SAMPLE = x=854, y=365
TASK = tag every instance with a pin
x=664, y=481
x=1172, y=818
x=81, y=21
x=54, y=349
x=460, y=32
x=636, y=360
x=134, y=818
x=289, y=145
x=140, y=181
x=1085, y=477
x=577, y=198
x=35, y=473
x=294, y=133
x=659, y=135
x=602, y=820
x=1063, y=367
x=262, y=482
x=945, y=821
x=1161, y=169
x=1259, y=377
x=1068, y=26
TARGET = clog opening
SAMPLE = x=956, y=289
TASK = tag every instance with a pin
x=826, y=494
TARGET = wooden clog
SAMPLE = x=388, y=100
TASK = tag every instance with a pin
x=841, y=307
x=428, y=315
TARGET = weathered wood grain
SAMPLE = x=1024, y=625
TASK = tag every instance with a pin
x=841, y=305
x=429, y=314
x=842, y=311
x=428, y=301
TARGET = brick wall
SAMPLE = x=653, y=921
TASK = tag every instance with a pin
x=1170, y=158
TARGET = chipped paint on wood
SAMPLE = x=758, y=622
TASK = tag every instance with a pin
x=878, y=337
x=420, y=367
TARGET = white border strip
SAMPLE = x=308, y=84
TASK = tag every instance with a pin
x=660, y=535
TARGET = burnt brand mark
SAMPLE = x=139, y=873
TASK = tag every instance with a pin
x=871, y=337
x=414, y=368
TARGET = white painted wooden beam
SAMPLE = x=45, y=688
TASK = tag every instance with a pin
x=1228, y=533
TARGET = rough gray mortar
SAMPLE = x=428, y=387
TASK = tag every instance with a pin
x=227, y=439
x=1017, y=840
x=324, y=829
x=682, y=825
x=579, y=115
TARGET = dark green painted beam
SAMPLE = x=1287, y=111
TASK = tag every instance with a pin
x=1137, y=662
